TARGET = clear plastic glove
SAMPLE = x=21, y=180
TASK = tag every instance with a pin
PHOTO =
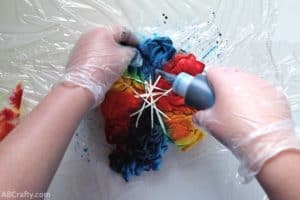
x=99, y=59
x=251, y=117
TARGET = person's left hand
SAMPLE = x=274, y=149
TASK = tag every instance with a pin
x=99, y=59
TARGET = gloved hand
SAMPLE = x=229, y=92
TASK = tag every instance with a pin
x=251, y=117
x=99, y=59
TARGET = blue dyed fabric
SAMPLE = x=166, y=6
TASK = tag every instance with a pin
x=144, y=149
x=155, y=53
x=145, y=146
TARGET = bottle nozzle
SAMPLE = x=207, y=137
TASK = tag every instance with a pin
x=167, y=76
x=197, y=91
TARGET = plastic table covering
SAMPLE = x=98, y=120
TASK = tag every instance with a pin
x=36, y=38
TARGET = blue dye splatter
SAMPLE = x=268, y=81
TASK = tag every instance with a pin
x=209, y=52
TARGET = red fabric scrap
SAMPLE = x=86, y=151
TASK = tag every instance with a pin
x=9, y=115
x=16, y=98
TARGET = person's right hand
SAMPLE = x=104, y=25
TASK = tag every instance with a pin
x=251, y=117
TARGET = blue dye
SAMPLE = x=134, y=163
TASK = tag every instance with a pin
x=144, y=149
x=155, y=53
x=145, y=146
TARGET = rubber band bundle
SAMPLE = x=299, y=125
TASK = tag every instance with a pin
x=142, y=114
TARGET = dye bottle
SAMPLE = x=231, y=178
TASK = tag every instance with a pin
x=196, y=90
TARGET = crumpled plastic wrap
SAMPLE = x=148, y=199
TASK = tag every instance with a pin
x=36, y=37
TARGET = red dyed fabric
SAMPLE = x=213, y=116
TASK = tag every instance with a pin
x=16, y=98
x=184, y=63
x=116, y=109
x=5, y=129
x=9, y=115
x=179, y=63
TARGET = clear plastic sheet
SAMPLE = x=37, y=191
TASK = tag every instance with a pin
x=36, y=37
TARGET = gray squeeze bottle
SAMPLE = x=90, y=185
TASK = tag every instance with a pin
x=197, y=91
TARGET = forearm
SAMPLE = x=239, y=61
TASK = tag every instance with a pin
x=280, y=177
x=30, y=155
